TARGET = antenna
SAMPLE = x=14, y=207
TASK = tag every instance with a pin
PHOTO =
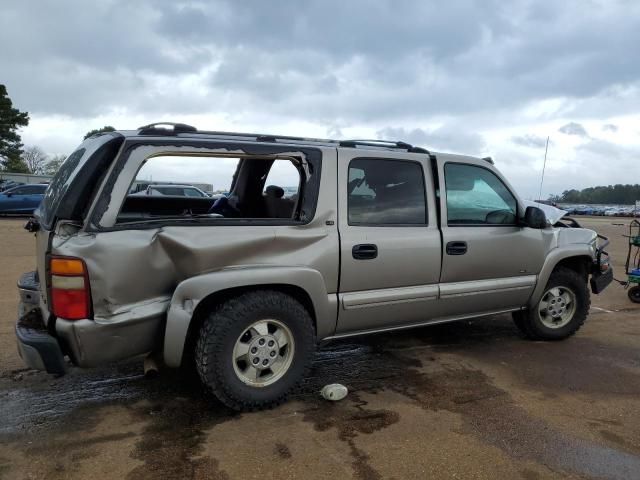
x=544, y=165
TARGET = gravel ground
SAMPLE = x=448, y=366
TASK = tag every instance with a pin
x=464, y=400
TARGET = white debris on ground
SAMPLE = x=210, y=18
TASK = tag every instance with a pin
x=334, y=392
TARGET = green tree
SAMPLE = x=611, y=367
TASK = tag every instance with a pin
x=11, y=119
x=53, y=165
x=15, y=165
x=620, y=194
x=99, y=130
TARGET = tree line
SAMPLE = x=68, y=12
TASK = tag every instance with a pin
x=619, y=194
x=14, y=156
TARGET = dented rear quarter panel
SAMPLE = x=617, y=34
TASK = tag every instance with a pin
x=135, y=272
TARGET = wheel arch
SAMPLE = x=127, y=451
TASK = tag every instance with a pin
x=577, y=258
x=195, y=297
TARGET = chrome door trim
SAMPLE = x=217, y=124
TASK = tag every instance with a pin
x=389, y=296
x=475, y=287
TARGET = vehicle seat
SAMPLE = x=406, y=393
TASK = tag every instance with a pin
x=276, y=205
x=222, y=206
x=399, y=204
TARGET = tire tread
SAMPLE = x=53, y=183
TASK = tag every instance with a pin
x=216, y=329
x=526, y=322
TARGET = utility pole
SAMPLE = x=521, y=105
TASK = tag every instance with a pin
x=544, y=165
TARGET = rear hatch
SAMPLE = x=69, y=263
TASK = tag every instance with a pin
x=69, y=196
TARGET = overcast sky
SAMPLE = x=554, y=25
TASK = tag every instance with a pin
x=476, y=77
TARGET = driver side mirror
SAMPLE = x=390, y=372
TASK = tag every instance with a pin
x=9, y=194
x=534, y=217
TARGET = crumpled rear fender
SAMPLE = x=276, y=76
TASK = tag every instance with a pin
x=192, y=291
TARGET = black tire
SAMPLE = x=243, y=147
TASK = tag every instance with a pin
x=634, y=294
x=529, y=322
x=222, y=329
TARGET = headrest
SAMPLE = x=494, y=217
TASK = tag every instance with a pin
x=274, y=191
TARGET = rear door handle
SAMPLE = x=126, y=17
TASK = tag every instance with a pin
x=456, y=248
x=364, y=251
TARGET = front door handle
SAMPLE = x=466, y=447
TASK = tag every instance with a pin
x=456, y=248
x=364, y=251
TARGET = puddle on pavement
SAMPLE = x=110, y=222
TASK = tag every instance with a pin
x=177, y=415
x=171, y=443
x=352, y=418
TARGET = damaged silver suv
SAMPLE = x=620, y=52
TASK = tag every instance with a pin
x=305, y=240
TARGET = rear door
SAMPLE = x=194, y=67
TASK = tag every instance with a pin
x=389, y=240
x=489, y=262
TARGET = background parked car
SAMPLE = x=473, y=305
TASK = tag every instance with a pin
x=23, y=199
x=173, y=190
x=7, y=184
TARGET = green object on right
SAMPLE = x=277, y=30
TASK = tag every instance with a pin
x=634, y=278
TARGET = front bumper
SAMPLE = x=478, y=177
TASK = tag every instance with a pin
x=601, y=272
x=601, y=280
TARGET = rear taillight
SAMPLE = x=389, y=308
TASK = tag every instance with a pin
x=70, y=293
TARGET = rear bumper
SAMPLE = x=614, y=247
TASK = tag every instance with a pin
x=88, y=343
x=37, y=348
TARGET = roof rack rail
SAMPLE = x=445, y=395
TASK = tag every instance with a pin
x=152, y=129
x=383, y=143
x=262, y=137
x=177, y=128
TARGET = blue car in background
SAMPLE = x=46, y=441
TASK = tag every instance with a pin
x=23, y=199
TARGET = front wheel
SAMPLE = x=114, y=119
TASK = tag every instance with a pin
x=254, y=349
x=561, y=311
x=634, y=294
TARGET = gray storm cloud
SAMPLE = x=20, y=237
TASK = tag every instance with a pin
x=573, y=128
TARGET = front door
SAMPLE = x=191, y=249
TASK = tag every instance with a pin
x=489, y=262
x=389, y=240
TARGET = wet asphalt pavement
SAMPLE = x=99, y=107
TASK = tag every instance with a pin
x=464, y=400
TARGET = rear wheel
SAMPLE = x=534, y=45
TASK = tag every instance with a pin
x=254, y=349
x=634, y=294
x=561, y=311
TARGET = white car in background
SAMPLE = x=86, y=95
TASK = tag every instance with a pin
x=173, y=190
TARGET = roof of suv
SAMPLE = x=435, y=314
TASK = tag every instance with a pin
x=174, y=129
x=170, y=129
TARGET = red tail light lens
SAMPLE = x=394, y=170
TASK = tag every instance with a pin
x=70, y=292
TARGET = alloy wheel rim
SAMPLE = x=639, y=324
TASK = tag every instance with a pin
x=263, y=353
x=557, y=307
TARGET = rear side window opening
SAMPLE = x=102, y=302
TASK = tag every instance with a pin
x=176, y=187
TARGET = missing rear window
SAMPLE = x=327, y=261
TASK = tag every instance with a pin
x=216, y=188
